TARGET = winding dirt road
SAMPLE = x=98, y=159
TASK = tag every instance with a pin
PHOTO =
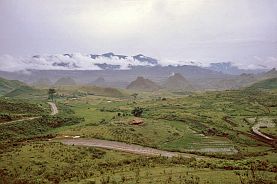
x=256, y=129
x=120, y=146
x=54, y=109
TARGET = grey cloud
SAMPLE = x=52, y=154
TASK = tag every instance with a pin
x=171, y=30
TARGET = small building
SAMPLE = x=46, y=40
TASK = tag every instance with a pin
x=137, y=121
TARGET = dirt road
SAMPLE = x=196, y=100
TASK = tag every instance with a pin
x=54, y=109
x=24, y=119
x=263, y=123
x=120, y=146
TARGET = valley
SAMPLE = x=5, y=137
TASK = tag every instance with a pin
x=138, y=92
x=87, y=135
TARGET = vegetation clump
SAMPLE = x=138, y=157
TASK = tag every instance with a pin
x=137, y=111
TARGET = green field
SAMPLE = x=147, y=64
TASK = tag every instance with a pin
x=216, y=125
x=199, y=122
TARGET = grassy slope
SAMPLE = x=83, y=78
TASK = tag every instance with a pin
x=12, y=109
x=265, y=84
x=9, y=85
x=54, y=163
x=178, y=123
x=14, y=88
x=19, y=106
x=81, y=91
x=26, y=92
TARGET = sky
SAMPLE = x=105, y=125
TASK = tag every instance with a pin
x=173, y=31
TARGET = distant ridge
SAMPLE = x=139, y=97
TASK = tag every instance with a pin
x=265, y=84
x=143, y=84
x=230, y=68
x=65, y=81
x=271, y=73
x=177, y=82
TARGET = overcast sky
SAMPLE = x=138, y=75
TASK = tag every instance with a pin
x=241, y=31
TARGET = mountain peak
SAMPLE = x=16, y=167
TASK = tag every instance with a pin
x=177, y=76
x=145, y=59
x=143, y=84
x=178, y=82
x=109, y=54
x=68, y=55
x=273, y=70
x=65, y=81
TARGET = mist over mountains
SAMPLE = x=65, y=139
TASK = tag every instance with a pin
x=116, y=70
x=108, y=61
x=77, y=61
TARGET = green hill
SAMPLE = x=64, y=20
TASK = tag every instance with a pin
x=7, y=86
x=15, y=88
x=177, y=82
x=266, y=84
x=22, y=90
x=102, y=91
x=142, y=84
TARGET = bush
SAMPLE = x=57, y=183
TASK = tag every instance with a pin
x=137, y=111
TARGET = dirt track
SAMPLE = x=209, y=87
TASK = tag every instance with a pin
x=24, y=119
x=54, y=108
x=256, y=129
x=120, y=146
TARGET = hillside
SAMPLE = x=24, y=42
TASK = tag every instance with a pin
x=7, y=86
x=271, y=73
x=21, y=106
x=143, y=84
x=87, y=90
x=102, y=91
x=25, y=91
x=236, y=82
x=65, y=81
x=177, y=82
x=265, y=84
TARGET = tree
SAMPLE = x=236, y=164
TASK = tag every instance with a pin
x=137, y=111
x=135, y=95
x=51, y=93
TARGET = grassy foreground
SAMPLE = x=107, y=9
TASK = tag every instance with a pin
x=214, y=124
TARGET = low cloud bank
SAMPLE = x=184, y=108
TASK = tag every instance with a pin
x=75, y=61
x=79, y=61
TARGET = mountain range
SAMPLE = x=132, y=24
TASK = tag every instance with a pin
x=230, y=68
x=114, y=70
x=107, y=61
x=142, y=84
x=200, y=78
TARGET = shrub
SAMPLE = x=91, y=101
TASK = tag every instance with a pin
x=137, y=111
